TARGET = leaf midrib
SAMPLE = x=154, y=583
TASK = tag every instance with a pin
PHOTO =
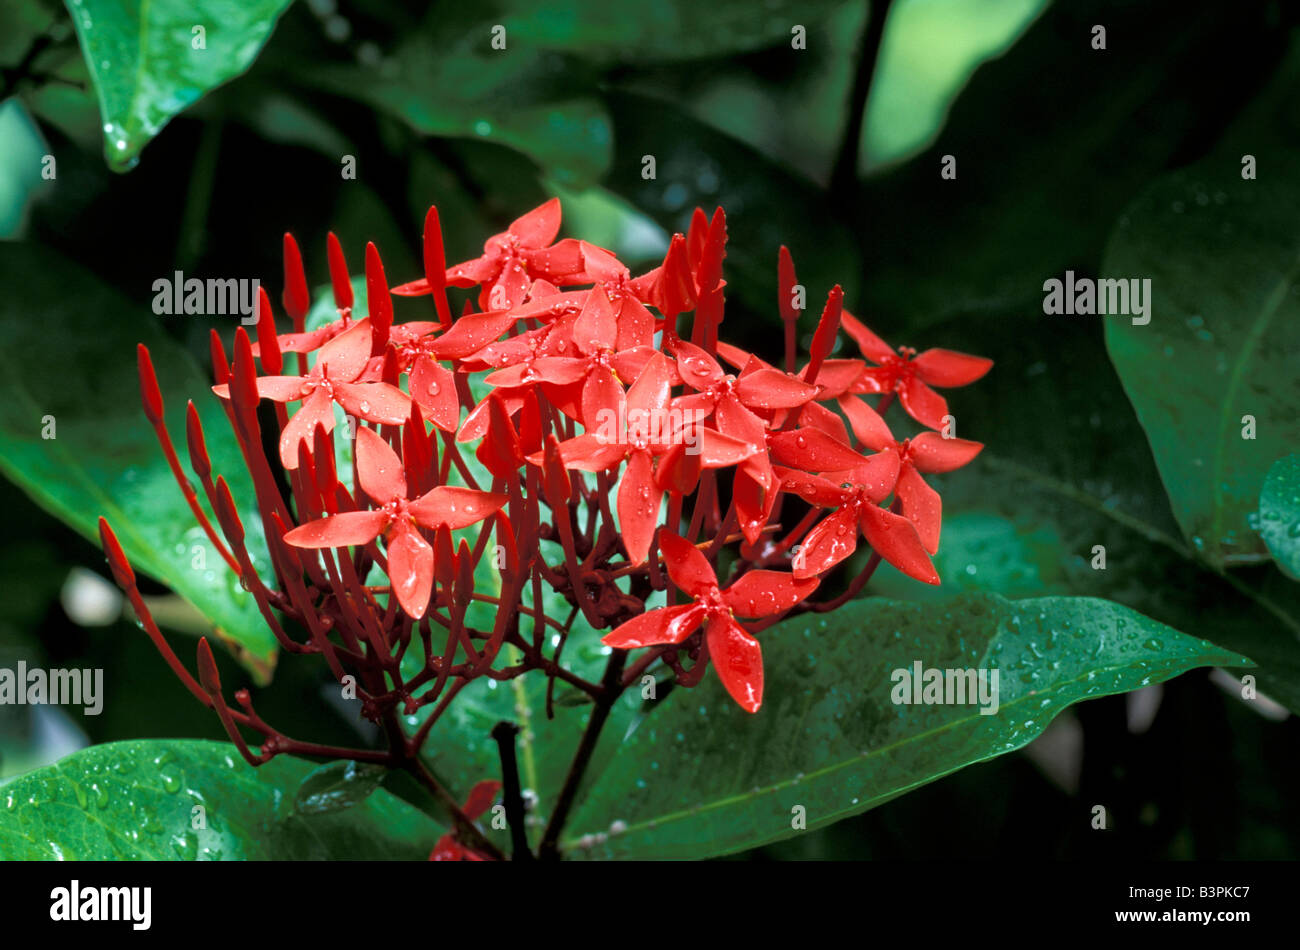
x=826, y=770
x=1261, y=324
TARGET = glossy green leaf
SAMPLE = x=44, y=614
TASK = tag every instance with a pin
x=927, y=55
x=1040, y=193
x=21, y=163
x=74, y=437
x=1279, y=514
x=1213, y=375
x=151, y=59
x=667, y=30
x=702, y=777
x=1066, y=499
x=526, y=101
x=188, y=800
x=337, y=786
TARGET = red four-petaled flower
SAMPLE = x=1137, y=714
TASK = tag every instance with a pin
x=410, y=557
x=735, y=654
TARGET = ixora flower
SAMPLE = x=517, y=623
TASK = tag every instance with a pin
x=410, y=556
x=512, y=260
x=911, y=375
x=735, y=654
x=580, y=433
x=336, y=377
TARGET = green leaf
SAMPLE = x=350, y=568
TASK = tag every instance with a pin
x=21, y=165
x=1018, y=211
x=138, y=801
x=145, y=65
x=1279, y=514
x=524, y=100
x=1066, y=475
x=1212, y=376
x=664, y=31
x=927, y=55
x=69, y=371
x=704, y=778
x=337, y=786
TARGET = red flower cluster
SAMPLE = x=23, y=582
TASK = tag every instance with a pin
x=598, y=427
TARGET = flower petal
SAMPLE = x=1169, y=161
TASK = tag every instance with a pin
x=813, y=450
x=636, y=325
x=471, y=333
x=589, y=452
x=480, y=799
x=316, y=409
x=878, y=474
x=816, y=416
x=601, y=394
x=596, y=328
x=538, y=227
x=773, y=389
x=374, y=402
x=895, y=539
x=922, y=403
x=837, y=376
x=652, y=390
x=433, y=386
x=638, y=506
x=754, y=500
x=378, y=468
x=833, y=539
x=280, y=388
x=561, y=262
x=601, y=265
x=931, y=452
x=716, y=450
x=345, y=356
x=812, y=488
x=940, y=367
x=410, y=568
x=872, y=346
x=733, y=419
x=921, y=505
x=665, y=625
x=739, y=661
x=763, y=593
x=455, y=507
x=687, y=566
x=337, y=531
x=699, y=370
x=868, y=425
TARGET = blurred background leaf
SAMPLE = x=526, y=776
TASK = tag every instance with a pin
x=1213, y=376
x=1279, y=514
x=150, y=59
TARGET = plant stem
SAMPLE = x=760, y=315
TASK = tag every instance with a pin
x=844, y=176
x=612, y=690
x=504, y=733
x=466, y=830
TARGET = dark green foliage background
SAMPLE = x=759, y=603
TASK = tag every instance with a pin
x=1067, y=158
